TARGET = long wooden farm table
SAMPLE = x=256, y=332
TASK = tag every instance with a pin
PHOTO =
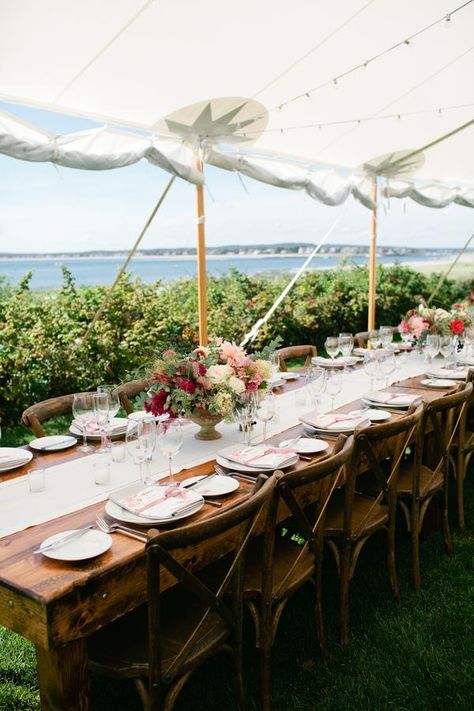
x=57, y=605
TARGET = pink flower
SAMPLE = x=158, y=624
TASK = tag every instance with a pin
x=233, y=353
x=417, y=325
x=404, y=327
x=170, y=352
x=252, y=387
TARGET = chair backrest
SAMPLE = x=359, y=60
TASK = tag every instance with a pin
x=131, y=390
x=375, y=447
x=226, y=532
x=295, y=352
x=305, y=495
x=445, y=419
x=34, y=415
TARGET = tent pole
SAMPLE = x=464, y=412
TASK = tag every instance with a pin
x=201, y=260
x=372, y=260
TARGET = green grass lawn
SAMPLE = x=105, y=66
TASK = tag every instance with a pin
x=416, y=655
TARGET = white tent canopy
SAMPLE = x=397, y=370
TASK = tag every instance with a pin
x=307, y=113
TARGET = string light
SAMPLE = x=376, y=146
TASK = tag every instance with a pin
x=406, y=42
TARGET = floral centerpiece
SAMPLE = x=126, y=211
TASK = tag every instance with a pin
x=205, y=384
x=423, y=320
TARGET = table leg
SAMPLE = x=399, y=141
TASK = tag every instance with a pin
x=64, y=677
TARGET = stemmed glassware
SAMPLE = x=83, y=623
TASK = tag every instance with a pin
x=333, y=384
x=245, y=414
x=275, y=360
x=331, y=344
x=135, y=445
x=315, y=383
x=101, y=414
x=432, y=346
x=83, y=412
x=446, y=346
x=374, y=339
x=371, y=367
x=387, y=365
x=346, y=344
x=170, y=441
x=266, y=411
x=386, y=336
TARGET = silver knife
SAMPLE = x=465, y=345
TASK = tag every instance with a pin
x=65, y=539
x=203, y=480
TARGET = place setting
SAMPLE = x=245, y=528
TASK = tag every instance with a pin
x=390, y=400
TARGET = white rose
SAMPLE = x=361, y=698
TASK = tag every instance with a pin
x=218, y=373
x=236, y=385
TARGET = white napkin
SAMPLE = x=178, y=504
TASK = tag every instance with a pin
x=392, y=398
x=334, y=421
x=153, y=501
x=261, y=456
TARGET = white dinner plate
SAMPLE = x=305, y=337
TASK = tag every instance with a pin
x=276, y=383
x=381, y=405
x=448, y=373
x=306, y=445
x=290, y=376
x=120, y=514
x=91, y=544
x=53, y=443
x=237, y=467
x=373, y=415
x=439, y=383
x=119, y=427
x=216, y=486
x=139, y=415
x=13, y=457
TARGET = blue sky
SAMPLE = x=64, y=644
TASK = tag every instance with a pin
x=46, y=208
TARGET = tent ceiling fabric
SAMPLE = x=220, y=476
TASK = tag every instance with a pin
x=143, y=65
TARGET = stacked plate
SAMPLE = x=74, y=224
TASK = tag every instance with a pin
x=53, y=443
x=335, y=362
x=396, y=401
x=256, y=459
x=12, y=458
x=333, y=423
x=117, y=427
x=147, y=506
x=450, y=373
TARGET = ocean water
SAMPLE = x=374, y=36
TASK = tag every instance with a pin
x=91, y=271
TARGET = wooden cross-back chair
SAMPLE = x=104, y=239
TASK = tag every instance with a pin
x=130, y=390
x=159, y=645
x=462, y=451
x=34, y=415
x=277, y=566
x=426, y=477
x=289, y=352
x=361, y=338
x=353, y=517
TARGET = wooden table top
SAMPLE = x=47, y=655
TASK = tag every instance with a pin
x=53, y=602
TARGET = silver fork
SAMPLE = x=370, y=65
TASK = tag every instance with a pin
x=108, y=527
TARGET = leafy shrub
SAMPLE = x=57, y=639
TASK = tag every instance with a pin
x=41, y=354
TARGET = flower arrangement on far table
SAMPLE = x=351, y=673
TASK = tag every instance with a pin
x=205, y=384
x=424, y=320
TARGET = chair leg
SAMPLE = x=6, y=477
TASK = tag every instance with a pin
x=460, y=472
x=344, y=572
x=318, y=607
x=448, y=541
x=391, y=564
x=415, y=544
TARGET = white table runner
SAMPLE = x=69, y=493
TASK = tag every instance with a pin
x=70, y=486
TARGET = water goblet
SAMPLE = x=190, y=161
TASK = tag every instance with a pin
x=373, y=340
x=245, y=413
x=346, y=344
x=101, y=416
x=386, y=336
x=387, y=365
x=275, y=361
x=83, y=413
x=331, y=344
x=148, y=437
x=135, y=445
x=432, y=346
x=266, y=411
x=333, y=385
x=446, y=347
x=170, y=441
x=315, y=383
x=371, y=367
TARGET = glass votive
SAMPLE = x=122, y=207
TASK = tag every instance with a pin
x=101, y=469
x=118, y=451
x=300, y=397
x=36, y=481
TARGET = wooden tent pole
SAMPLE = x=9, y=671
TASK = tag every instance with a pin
x=201, y=260
x=372, y=261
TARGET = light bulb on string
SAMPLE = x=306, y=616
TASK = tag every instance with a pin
x=447, y=22
x=334, y=81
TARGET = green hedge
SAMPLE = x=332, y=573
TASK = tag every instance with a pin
x=40, y=355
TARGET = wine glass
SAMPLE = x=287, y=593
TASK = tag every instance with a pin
x=374, y=339
x=266, y=411
x=245, y=412
x=432, y=346
x=170, y=441
x=275, y=361
x=331, y=344
x=114, y=401
x=346, y=344
x=148, y=439
x=446, y=347
x=136, y=446
x=101, y=415
x=387, y=365
x=316, y=383
x=371, y=367
x=333, y=385
x=83, y=413
x=386, y=336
